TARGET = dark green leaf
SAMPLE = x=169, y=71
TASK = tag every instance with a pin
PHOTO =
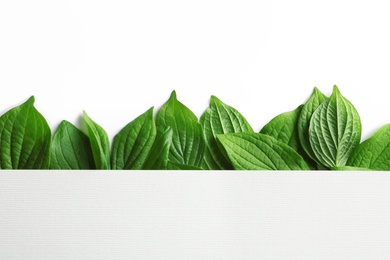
x=99, y=143
x=220, y=118
x=70, y=149
x=132, y=144
x=158, y=155
x=187, y=139
x=183, y=167
x=25, y=138
x=255, y=151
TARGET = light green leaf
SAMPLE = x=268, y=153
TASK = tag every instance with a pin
x=187, y=138
x=335, y=130
x=373, y=153
x=25, y=138
x=99, y=143
x=158, y=155
x=284, y=128
x=220, y=118
x=255, y=151
x=132, y=144
x=349, y=168
x=307, y=111
x=70, y=149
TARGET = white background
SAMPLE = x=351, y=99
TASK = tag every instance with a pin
x=115, y=59
x=194, y=215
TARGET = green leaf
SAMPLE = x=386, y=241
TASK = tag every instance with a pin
x=131, y=146
x=335, y=130
x=70, y=149
x=307, y=111
x=373, y=153
x=256, y=151
x=349, y=168
x=181, y=167
x=188, y=144
x=284, y=128
x=99, y=143
x=25, y=138
x=220, y=118
x=158, y=155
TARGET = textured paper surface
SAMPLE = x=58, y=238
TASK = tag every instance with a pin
x=194, y=215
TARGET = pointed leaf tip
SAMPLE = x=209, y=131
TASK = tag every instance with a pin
x=30, y=100
x=335, y=130
x=150, y=110
x=220, y=118
x=336, y=89
x=214, y=100
x=99, y=143
x=131, y=146
x=173, y=95
x=187, y=139
x=25, y=138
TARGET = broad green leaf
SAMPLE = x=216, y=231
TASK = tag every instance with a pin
x=158, y=155
x=335, y=130
x=70, y=149
x=307, y=111
x=183, y=167
x=220, y=118
x=373, y=153
x=131, y=146
x=284, y=128
x=25, y=138
x=256, y=151
x=99, y=143
x=188, y=144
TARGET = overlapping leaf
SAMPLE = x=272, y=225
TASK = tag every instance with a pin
x=99, y=143
x=132, y=144
x=305, y=115
x=335, y=130
x=327, y=130
x=284, y=128
x=178, y=166
x=188, y=144
x=158, y=155
x=373, y=153
x=220, y=118
x=256, y=151
x=70, y=149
